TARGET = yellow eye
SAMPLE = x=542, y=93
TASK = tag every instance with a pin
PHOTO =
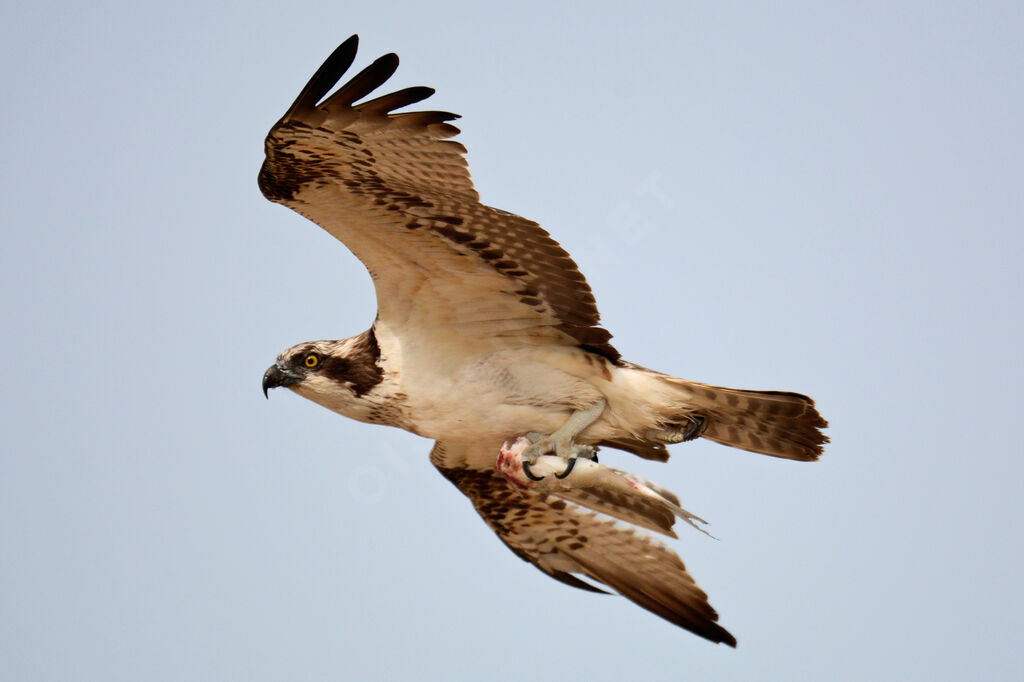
x=312, y=360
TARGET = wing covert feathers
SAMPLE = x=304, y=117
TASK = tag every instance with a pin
x=562, y=539
x=398, y=193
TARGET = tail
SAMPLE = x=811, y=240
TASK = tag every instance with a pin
x=773, y=423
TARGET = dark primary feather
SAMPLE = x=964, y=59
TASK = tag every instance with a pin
x=396, y=100
x=324, y=79
x=364, y=82
x=404, y=187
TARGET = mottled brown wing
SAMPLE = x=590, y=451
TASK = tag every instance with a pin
x=398, y=193
x=562, y=539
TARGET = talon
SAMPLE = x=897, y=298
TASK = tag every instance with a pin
x=568, y=469
x=530, y=475
x=698, y=423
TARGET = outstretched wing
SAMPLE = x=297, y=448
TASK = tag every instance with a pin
x=398, y=193
x=564, y=540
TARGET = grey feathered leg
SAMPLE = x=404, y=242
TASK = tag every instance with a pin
x=562, y=441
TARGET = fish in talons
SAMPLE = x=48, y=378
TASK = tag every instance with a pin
x=611, y=491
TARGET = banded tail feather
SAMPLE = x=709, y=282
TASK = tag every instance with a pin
x=776, y=423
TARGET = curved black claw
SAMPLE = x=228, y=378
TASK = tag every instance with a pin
x=698, y=423
x=530, y=475
x=568, y=469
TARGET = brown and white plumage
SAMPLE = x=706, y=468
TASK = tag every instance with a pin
x=486, y=330
x=398, y=193
x=562, y=539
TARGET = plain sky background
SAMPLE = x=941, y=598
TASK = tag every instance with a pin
x=778, y=196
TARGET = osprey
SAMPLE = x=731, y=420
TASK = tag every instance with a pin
x=487, y=340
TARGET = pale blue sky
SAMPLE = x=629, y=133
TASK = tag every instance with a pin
x=798, y=197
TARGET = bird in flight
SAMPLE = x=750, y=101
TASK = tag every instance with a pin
x=487, y=341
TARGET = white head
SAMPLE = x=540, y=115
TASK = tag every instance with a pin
x=340, y=375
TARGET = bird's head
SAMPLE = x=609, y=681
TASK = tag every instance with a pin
x=335, y=374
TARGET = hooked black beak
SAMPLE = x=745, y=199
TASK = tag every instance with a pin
x=278, y=376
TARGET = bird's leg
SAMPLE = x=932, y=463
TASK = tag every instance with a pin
x=562, y=441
